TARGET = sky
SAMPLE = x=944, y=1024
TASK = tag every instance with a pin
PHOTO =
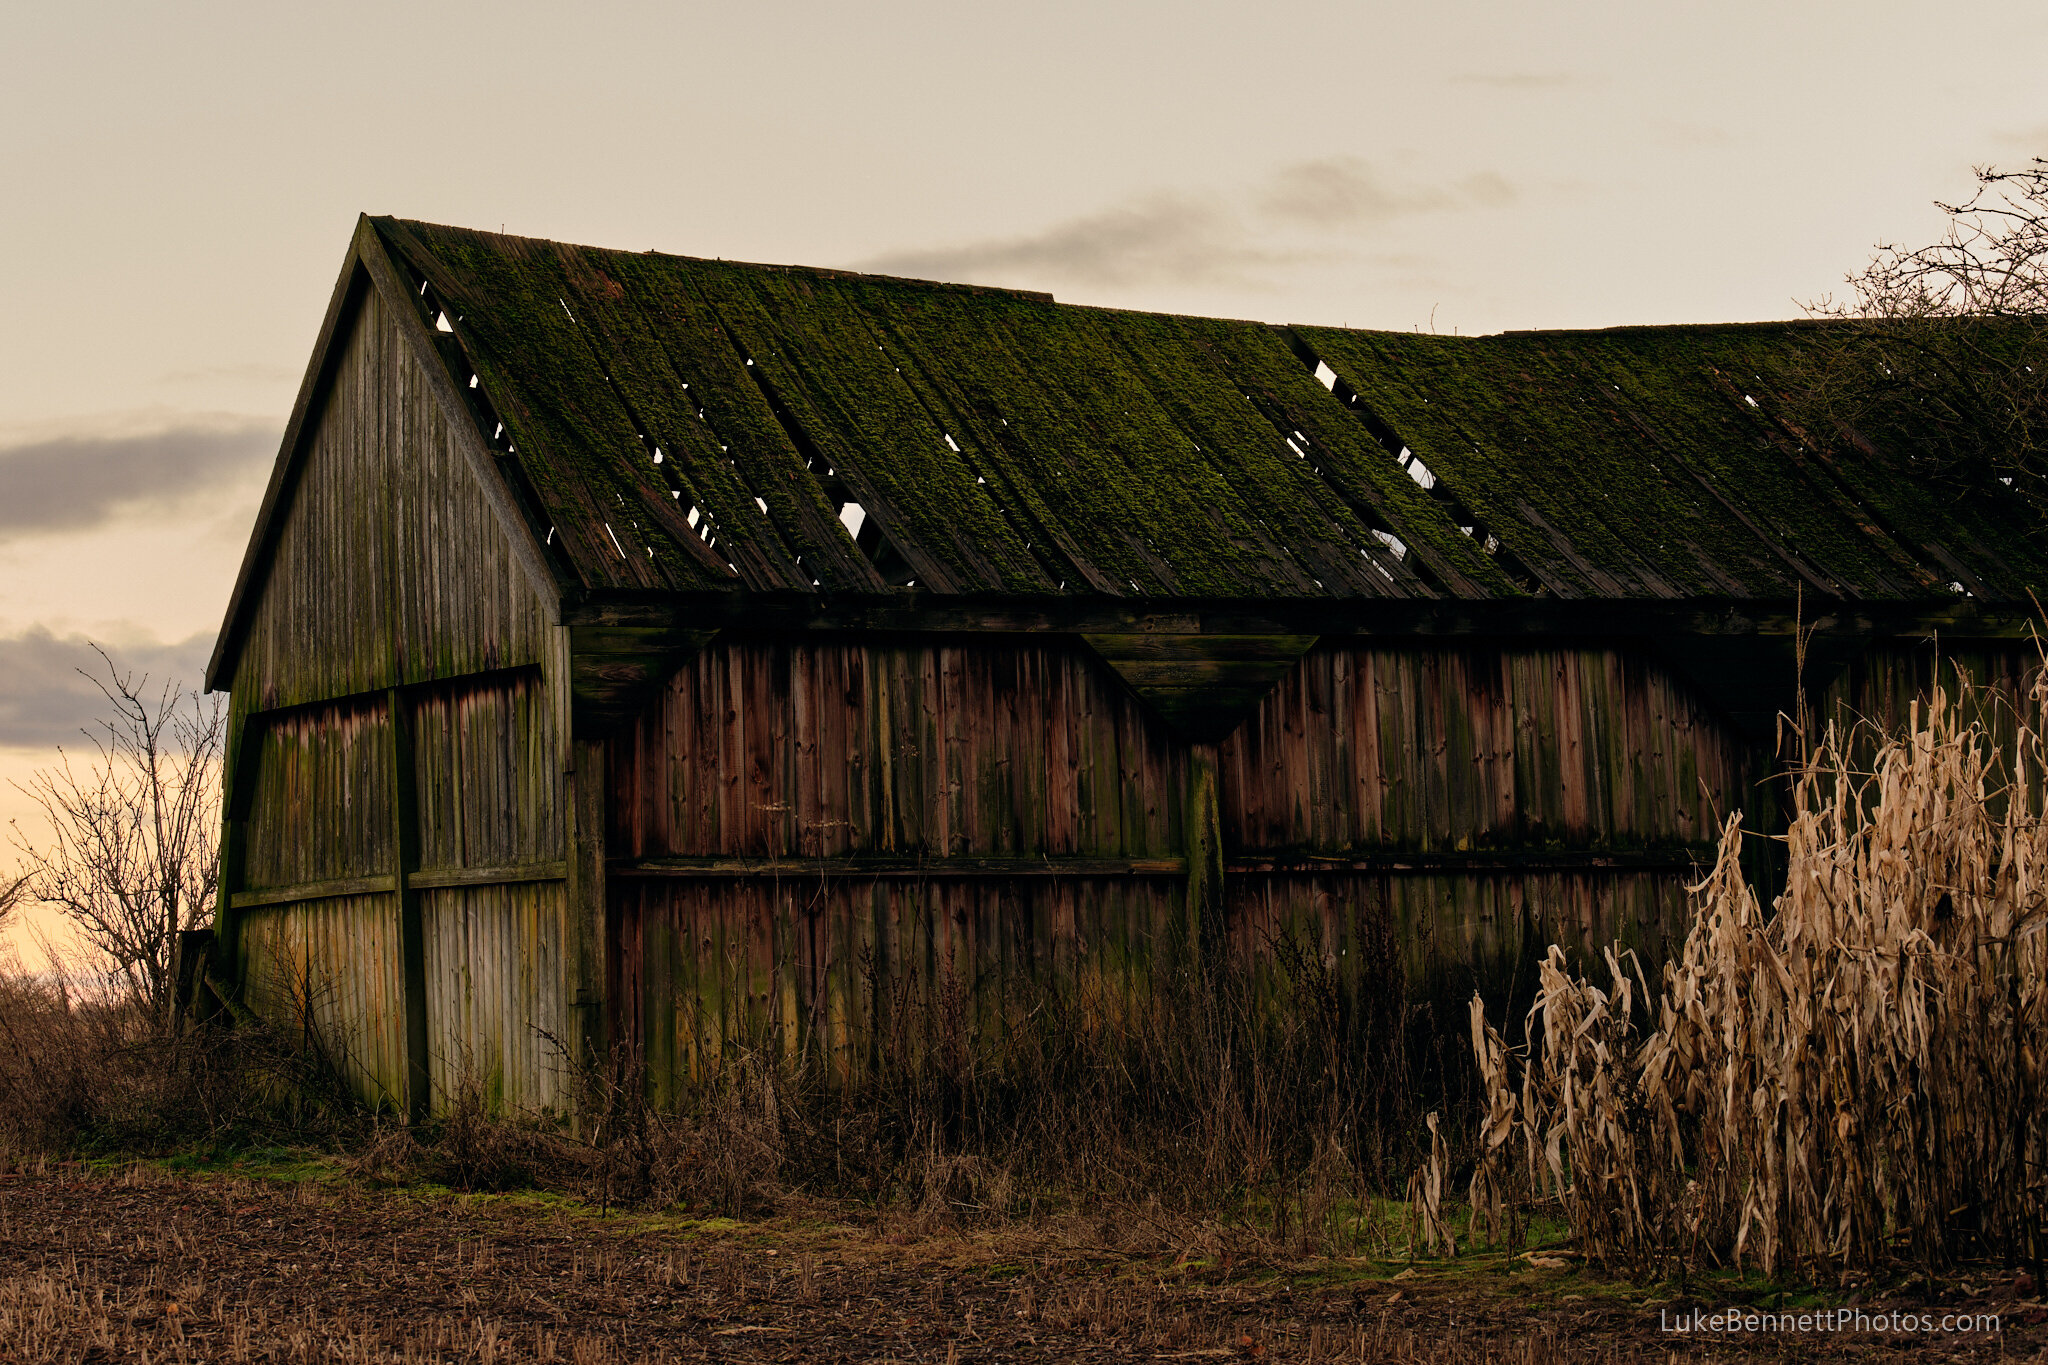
x=181, y=182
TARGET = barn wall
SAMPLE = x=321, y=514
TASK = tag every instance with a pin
x=826, y=749
x=803, y=830
x=1476, y=747
x=389, y=565
x=392, y=585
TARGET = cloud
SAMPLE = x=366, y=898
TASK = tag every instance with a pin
x=45, y=701
x=74, y=482
x=1179, y=238
x=1160, y=237
x=253, y=373
x=1343, y=191
x=2028, y=141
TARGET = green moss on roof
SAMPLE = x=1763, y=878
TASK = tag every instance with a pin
x=1009, y=445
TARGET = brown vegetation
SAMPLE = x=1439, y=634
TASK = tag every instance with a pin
x=141, y=1263
x=1851, y=1079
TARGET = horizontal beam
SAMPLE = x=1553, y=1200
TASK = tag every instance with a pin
x=315, y=891
x=915, y=612
x=1676, y=858
x=430, y=878
x=717, y=868
x=426, y=880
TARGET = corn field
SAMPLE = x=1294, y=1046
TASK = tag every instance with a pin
x=1849, y=1079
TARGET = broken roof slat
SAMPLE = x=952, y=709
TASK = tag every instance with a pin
x=1274, y=491
x=575, y=442
x=1008, y=445
x=818, y=353
x=1351, y=460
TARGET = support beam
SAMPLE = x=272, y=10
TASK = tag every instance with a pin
x=588, y=958
x=412, y=939
x=1202, y=907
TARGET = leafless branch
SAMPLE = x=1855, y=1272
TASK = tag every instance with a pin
x=1943, y=349
x=134, y=841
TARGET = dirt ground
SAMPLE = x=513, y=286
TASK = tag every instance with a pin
x=146, y=1264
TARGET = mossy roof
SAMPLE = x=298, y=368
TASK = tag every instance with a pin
x=1000, y=443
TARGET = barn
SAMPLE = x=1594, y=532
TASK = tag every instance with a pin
x=643, y=651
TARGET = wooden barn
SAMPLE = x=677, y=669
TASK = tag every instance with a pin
x=635, y=649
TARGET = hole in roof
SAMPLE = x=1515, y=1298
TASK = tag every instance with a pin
x=1391, y=541
x=441, y=323
x=615, y=540
x=1959, y=589
x=1417, y=470
x=952, y=444
x=761, y=503
x=1747, y=399
x=551, y=536
x=1326, y=376
x=657, y=454
x=852, y=515
x=472, y=381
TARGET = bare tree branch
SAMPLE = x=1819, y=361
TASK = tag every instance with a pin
x=1943, y=349
x=135, y=842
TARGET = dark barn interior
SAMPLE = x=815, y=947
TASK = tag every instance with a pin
x=642, y=650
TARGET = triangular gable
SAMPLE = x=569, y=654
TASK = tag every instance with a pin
x=386, y=520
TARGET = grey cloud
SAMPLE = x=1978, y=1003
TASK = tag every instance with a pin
x=253, y=373
x=1162, y=237
x=44, y=701
x=1343, y=191
x=71, y=483
x=1184, y=239
x=2032, y=141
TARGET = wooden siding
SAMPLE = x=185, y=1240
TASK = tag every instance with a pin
x=776, y=965
x=806, y=828
x=392, y=582
x=389, y=565
x=322, y=791
x=1456, y=748
x=329, y=970
x=822, y=749
x=772, y=966
x=819, y=749
x=498, y=1016
x=488, y=771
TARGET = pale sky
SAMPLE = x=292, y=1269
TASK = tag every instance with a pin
x=181, y=180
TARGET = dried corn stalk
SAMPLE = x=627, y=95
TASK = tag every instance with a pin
x=1855, y=1074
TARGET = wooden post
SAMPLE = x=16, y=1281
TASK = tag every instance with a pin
x=589, y=933
x=412, y=941
x=231, y=875
x=1203, y=905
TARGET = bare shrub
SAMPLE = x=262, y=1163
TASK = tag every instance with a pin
x=134, y=853
x=1941, y=352
x=1853, y=1075
x=84, y=1064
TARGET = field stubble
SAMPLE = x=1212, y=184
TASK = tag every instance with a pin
x=149, y=1264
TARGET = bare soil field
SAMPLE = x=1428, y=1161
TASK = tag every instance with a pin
x=149, y=1264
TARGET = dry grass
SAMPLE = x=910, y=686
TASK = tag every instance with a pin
x=141, y=1264
x=1847, y=1080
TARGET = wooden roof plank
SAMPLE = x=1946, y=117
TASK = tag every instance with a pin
x=823, y=361
x=574, y=439
x=736, y=416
